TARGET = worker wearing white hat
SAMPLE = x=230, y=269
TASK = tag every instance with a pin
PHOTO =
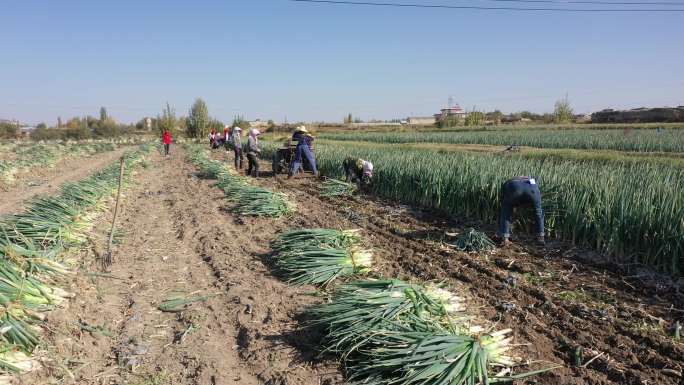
x=358, y=171
x=236, y=140
x=253, y=152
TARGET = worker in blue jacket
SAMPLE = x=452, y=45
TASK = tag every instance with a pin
x=304, y=149
x=516, y=192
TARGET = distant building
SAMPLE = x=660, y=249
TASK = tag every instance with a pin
x=421, y=120
x=373, y=124
x=451, y=112
x=262, y=124
x=26, y=131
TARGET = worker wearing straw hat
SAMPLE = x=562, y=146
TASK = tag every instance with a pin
x=518, y=192
x=304, y=144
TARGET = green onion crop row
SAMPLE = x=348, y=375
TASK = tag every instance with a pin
x=246, y=199
x=30, y=247
x=46, y=155
x=640, y=140
x=632, y=212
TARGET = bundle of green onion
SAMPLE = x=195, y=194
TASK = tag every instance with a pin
x=16, y=285
x=299, y=239
x=334, y=188
x=179, y=303
x=7, y=171
x=421, y=357
x=258, y=201
x=15, y=361
x=33, y=260
x=472, y=241
x=17, y=332
x=319, y=256
x=359, y=310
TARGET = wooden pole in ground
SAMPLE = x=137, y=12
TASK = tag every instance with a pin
x=108, y=256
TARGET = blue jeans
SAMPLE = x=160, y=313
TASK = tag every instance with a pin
x=303, y=151
x=515, y=193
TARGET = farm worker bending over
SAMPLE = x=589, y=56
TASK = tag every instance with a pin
x=358, y=171
x=236, y=138
x=304, y=144
x=166, y=139
x=520, y=191
x=226, y=138
x=252, y=152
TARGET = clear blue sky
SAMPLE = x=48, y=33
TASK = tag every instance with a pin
x=276, y=58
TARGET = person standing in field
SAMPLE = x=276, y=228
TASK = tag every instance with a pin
x=358, y=171
x=226, y=138
x=253, y=152
x=519, y=192
x=166, y=140
x=304, y=146
x=236, y=140
x=212, y=138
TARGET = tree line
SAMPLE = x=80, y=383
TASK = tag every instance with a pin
x=197, y=124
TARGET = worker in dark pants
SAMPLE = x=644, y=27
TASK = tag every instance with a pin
x=166, y=139
x=253, y=152
x=358, y=171
x=517, y=192
x=236, y=141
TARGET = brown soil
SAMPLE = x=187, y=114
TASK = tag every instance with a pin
x=179, y=239
x=45, y=181
x=179, y=236
x=556, y=298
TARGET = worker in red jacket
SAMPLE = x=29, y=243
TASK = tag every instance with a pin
x=166, y=139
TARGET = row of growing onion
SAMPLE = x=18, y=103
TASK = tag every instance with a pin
x=33, y=260
x=26, y=157
x=387, y=331
x=668, y=140
x=630, y=211
x=246, y=198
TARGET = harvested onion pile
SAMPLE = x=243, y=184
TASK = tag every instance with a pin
x=319, y=256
